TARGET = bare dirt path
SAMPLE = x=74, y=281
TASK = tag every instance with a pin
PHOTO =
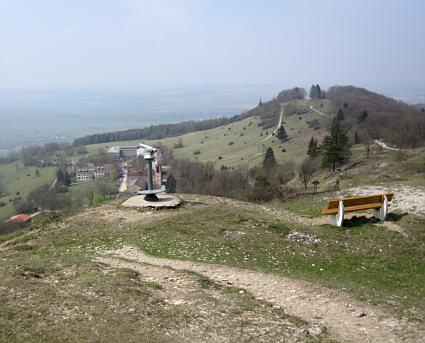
x=277, y=128
x=323, y=114
x=382, y=144
x=347, y=319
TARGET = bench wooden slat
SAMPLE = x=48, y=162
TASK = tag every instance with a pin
x=353, y=208
x=357, y=203
x=376, y=202
x=370, y=199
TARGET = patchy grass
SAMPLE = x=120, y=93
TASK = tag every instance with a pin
x=309, y=204
x=364, y=259
x=372, y=263
x=56, y=292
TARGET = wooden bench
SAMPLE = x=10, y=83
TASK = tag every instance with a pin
x=378, y=203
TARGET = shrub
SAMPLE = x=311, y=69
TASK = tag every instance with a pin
x=179, y=144
x=98, y=199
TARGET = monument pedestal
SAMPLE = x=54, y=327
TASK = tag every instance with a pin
x=151, y=195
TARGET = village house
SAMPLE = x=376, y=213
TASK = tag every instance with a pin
x=142, y=176
x=133, y=176
x=136, y=186
x=88, y=174
x=132, y=151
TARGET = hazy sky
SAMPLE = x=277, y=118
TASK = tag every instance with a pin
x=142, y=45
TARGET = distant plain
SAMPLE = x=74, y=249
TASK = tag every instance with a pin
x=37, y=117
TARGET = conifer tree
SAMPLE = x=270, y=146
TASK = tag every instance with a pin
x=281, y=134
x=363, y=116
x=335, y=148
x=313, y=148
x=316, y=92
x=67, y=179
x=356, y=138
x=171, y=184
x=269, y=160
x=340, y=115
x=60, y=177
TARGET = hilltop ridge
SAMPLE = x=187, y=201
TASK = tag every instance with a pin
x=385, y=118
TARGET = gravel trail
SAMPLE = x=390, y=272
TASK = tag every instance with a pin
x=347, y=319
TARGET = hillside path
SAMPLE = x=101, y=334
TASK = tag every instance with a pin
x=382, y=144
x=347, y=319
x=320, y=112
x=274, y=132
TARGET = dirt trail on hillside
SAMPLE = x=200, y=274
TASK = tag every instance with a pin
x=320, y=112
x=347, y=319
x=275, y=130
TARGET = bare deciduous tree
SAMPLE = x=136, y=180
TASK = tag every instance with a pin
x=307, y=170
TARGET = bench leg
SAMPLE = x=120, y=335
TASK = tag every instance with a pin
x=338, y=219
x=382, y=212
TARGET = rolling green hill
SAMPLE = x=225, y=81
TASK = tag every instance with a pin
x=96, y=274
x=244, y=142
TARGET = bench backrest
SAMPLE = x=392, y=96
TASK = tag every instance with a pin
x=371, y=199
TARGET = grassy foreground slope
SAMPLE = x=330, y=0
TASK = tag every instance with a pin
x=54, y=287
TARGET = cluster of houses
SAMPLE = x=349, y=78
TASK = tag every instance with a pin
x=87, y=174
x=138, y=180
x=134, y=181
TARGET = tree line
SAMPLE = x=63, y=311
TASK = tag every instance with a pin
x=268, y=112
x=262, y=183
x=155, y=131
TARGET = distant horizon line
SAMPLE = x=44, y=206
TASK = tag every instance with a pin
x=410, y=93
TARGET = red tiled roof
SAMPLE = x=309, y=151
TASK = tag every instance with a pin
x=20, y=218
x=133, y=173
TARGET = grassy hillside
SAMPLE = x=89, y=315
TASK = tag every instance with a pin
x=240, y=143
x=243, y=143
x=18, y=178
x=394, y=121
